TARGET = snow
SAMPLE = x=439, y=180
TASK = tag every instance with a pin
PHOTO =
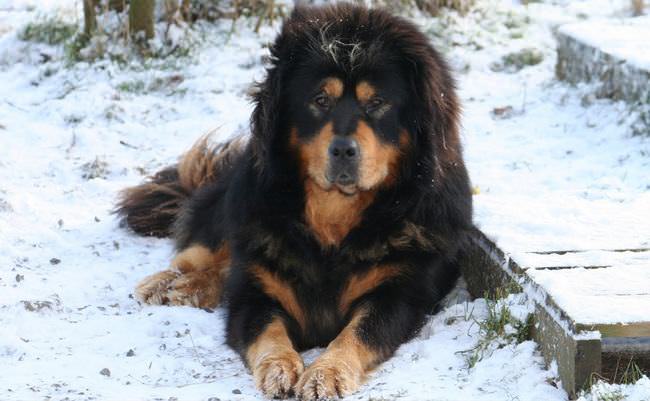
x=583, y=296
x=603, y=391
x=559, y=173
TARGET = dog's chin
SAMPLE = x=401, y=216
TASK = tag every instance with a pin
x=348, y=190
x=329, y=186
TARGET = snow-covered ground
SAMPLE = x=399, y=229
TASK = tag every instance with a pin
x=553, y=170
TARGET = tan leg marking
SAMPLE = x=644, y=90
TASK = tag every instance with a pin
x=281, y=291
x=196, y=279
x=341, y=369
x=363, y=283
x=275, y=364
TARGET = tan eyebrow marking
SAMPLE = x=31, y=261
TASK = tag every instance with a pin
x=333, y=87
x=365, y=91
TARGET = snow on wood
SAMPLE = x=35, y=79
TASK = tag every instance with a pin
x=619, y=294
x=615, y=54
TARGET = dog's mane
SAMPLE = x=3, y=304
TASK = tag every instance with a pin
x=351, y=39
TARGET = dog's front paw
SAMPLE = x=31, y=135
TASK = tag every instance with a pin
x=328, y=379
x=275, y=375
x=171, y=287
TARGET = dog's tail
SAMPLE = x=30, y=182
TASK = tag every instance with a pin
x=151, y=208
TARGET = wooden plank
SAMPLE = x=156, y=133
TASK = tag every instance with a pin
x=481, y=266
x=486, y=268
x=587, y=259
x=576, y=359
x=607, y=298
x=640, y=329
x=580, y=357
x=564, y=252
x=570, y=267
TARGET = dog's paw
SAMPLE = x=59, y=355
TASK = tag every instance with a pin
x=275, y=376
x=154, y=289
x=171, y=287
x=327, y=380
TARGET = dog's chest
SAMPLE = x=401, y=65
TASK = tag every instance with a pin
x=331, y=215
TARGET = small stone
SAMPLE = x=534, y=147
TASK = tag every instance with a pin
x=5, y=206
x=105, y=372
x=130, y=353
x=503, y=113
x=214, y=399
x=236, y=391
x=19, y=278
x=36, y=306
x=55, y=261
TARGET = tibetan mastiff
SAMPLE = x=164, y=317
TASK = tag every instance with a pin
x=338, y=222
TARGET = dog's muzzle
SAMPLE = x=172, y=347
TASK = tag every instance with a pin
x=344, y=156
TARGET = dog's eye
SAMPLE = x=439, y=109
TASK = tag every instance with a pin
x=322, y=100
x=375, y=103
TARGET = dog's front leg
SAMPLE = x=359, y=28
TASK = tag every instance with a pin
x=372, y=335
x=263, y=315
x=275, y=364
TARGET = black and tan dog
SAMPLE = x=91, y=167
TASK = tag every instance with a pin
x=337, y=223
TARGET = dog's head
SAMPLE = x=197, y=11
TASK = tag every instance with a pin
x=350, y=93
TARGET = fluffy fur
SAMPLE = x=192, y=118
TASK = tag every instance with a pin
x=304, y=255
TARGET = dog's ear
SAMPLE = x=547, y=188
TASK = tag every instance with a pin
x=436, y=108
x=436, y=112
x=440, y=109
x=266, y=118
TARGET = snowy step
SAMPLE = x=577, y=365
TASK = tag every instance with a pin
x=613, y=53
x=603, y=290
x=592, y=306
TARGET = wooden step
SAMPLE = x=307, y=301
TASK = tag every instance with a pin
x=588, y=319
x=613, y=54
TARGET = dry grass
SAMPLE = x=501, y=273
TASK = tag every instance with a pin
x=431, y=7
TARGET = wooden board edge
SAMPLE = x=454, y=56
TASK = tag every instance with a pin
x=638, y=329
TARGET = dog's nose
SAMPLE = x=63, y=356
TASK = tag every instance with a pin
x=343, y=148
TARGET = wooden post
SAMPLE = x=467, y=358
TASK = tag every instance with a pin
x=186, y=11
x=90, y=17
x=141, y=18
